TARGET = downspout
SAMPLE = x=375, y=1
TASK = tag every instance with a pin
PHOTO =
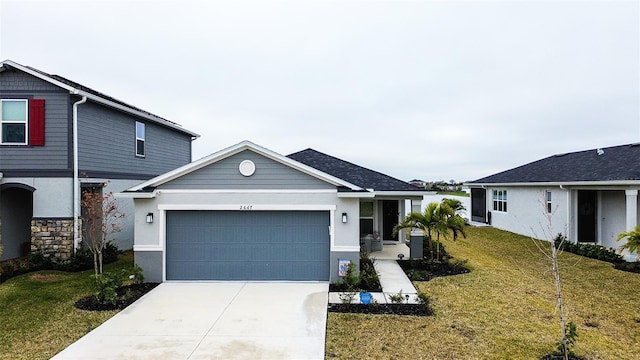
x=76, y=180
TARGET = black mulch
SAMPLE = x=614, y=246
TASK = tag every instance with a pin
x=387, y=309
x=127, y=295
x=425, y=270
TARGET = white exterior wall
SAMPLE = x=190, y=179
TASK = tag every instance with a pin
x=124, y=238
x=526, y=211
x=53, y=197
x=611, y=217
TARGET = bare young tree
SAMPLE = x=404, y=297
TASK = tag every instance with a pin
x=551, y=251
x=101, y=218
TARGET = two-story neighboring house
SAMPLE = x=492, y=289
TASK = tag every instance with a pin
x=57, y=138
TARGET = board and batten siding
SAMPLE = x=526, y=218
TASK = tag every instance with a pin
x=107, y=144
x=224, y=174
x=55, y=155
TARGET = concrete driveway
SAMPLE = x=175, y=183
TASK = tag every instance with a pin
x=214, y=320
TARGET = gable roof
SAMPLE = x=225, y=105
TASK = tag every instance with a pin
x=616, y=164
x=363, y=177
x=235, y=149
x=96, y=96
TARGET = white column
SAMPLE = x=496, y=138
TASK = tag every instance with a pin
x=632, y=209
x=632, y=216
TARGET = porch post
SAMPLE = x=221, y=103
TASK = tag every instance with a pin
x=632, y=209
x=632, y=216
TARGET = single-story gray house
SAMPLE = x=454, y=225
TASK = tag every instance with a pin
x=248, y=213
x=591, y=196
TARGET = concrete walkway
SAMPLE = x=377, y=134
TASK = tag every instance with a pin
x=392, y=277
x=225, y=320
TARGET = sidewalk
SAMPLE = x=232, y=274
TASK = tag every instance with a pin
x=392, y=278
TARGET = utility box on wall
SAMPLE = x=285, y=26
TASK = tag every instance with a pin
x=415, y=248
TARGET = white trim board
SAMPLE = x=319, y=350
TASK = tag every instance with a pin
x=246, y=191
x=247, y=207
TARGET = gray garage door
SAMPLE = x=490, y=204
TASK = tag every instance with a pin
x=247, y=245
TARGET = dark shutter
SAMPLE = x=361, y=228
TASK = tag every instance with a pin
x=36, y=122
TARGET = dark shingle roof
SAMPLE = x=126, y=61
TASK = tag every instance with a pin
x=96, y=93
x=617, y=163
x=357, y=175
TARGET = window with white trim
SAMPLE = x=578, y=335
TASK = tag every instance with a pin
x=140, y=139
x=366, y=218
x=14, y=121
x=500, y=200
x=549, y=206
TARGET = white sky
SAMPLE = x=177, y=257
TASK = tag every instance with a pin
x=435, y=90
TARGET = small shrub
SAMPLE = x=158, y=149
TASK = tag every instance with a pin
x=368, y=275
x=425, y=270
x=38, y=261
x=422, y=298
x=82, y=259
x=588, y=250
x=419, y=275
x=628, y=266
x=367, y=279
x=8, y=269
x=397, y=298
x=350, y=278
x=443, y=254
x=106, y=286
x=347, y=296
x=136, y=275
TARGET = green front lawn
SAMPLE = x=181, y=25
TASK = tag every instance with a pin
x=503, y=309
x=37, y=316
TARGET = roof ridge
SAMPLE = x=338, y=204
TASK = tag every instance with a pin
x=356, y=167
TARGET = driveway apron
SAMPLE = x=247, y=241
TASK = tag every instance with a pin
x=214, y=320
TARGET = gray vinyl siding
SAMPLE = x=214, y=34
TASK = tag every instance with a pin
x=269, y=174
x=107, y=144
x=55, y=154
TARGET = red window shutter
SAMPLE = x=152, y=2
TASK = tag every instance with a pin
x=36, y=122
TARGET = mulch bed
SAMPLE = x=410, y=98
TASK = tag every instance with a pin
x=633, y=267
x=127, y=295
x=386, y=309
x=425, y=270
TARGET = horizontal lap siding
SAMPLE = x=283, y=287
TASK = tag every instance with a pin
x=55, y=154
x=269, y=174
x=226, y=245
x=107, y=144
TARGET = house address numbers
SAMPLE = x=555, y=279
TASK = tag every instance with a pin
x=246, y=207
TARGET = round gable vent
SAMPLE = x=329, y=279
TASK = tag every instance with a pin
x=247, y=168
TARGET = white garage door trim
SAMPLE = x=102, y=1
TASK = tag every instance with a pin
x=163, y=208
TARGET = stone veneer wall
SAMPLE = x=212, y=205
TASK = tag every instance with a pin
x=52, y=237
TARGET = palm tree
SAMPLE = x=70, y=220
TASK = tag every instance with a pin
x=437, y=219
x=455, y=205
x=427, y=222
x=451, y=216
x=633, y=239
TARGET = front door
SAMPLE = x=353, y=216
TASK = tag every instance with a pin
x=389, y=219
x=587, y=215
x=478, y=205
